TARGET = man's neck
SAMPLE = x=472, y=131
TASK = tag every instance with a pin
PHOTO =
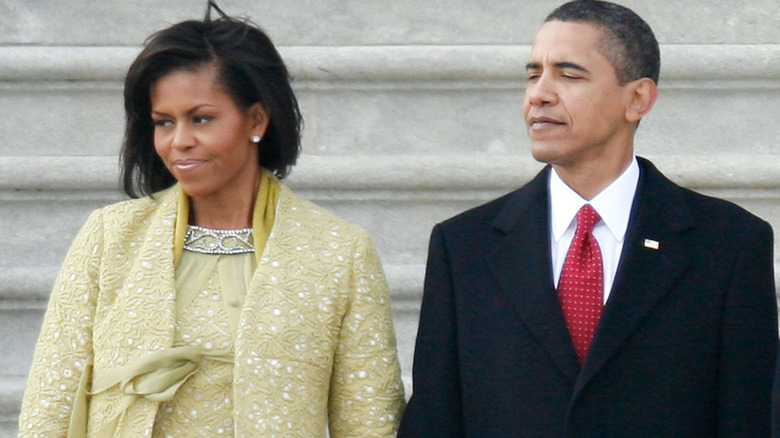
x=589, y=179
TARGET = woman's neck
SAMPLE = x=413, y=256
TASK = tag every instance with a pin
x=225, y=212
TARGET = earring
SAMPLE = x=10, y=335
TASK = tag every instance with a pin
x=255, y=139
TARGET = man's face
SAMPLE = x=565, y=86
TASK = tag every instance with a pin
x=574, y=107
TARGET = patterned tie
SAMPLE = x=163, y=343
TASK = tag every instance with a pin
x=580, y=287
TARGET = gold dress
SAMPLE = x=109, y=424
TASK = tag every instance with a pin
x=133, y=346
x=211, y=289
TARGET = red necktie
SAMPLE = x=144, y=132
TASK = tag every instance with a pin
x=581, y=285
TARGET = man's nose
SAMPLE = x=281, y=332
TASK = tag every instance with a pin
x=541, y=91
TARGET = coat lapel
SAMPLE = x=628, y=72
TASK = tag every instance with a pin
x=162, y=224
x=521, y=265
x=139, y=274
x=144, y=269
x=646, y=273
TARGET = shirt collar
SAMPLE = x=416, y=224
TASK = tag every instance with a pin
x=613, y=203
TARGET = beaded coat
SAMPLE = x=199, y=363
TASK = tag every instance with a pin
x=314, y=348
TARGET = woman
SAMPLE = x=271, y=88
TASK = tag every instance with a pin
x=219, y=302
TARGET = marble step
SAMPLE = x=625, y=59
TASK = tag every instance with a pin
x=11, y=390
x=376, y=22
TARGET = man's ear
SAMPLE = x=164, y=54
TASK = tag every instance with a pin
x=644, y=93
x=259, y=118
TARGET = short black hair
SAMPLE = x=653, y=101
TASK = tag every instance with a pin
x=249, y=68
x=628, y=41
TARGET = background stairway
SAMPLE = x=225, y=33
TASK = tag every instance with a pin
x=412, y=110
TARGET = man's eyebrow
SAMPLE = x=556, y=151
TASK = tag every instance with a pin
x=571, y=66
x=558, y=65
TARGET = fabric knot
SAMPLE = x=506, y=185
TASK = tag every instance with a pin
x=155, y=376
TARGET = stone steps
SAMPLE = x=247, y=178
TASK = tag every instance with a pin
x=413, y=114
x=11, y=390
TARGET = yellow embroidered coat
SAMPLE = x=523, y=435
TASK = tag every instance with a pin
x=315, y=344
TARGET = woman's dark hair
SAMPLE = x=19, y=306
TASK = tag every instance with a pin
x=628, y=41
x=248, y=67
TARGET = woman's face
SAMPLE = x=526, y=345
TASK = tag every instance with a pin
x=203, y=137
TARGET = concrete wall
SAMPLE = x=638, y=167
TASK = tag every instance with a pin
x=412, y=109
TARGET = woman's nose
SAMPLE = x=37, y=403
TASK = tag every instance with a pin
x=183, y=136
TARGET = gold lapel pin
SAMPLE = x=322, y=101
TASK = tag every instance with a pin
x=652, y=244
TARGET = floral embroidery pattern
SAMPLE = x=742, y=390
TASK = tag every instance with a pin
x=314, y=344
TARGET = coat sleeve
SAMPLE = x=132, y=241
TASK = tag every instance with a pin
x=749, y=341
x=366, y=395
x=776, y=400
x=63, y=353
x=435, y=408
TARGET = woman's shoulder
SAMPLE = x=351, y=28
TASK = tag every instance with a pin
x=305, y=214
x=138, y=210
x=143, y=203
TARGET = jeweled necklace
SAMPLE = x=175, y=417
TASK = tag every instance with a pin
x=214, y=241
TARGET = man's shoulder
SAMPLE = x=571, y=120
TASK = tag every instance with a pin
x=505, y=210
x=720, y=212
x=706, y=211
x=481, y=213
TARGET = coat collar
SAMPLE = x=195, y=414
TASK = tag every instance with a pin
x=159, y=231
x=264, y=212
x=653, y=260
x=521, y=265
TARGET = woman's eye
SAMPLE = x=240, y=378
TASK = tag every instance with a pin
x=202, y=119
x=162, y=123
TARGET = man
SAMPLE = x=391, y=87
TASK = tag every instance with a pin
x=657, y=321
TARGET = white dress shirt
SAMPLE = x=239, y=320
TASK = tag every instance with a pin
x=613, y=204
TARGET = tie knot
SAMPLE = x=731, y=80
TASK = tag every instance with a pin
x=586, y=219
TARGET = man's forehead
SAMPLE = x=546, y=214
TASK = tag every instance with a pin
x=565, y=41
x=568, y=33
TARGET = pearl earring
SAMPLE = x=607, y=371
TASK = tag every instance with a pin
x=255, y=139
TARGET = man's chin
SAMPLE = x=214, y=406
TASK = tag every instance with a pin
x=543, y=153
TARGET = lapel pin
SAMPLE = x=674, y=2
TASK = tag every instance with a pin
x=652, y=244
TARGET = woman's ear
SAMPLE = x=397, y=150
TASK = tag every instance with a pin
x=259, y=119
x=644, y=93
